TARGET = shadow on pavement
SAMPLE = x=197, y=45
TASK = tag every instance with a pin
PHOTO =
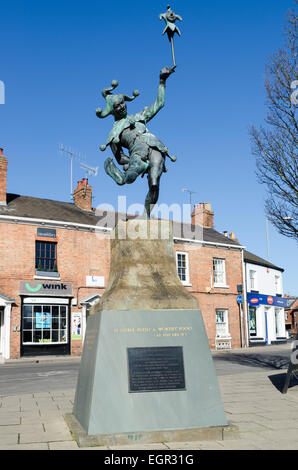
x=278, y=380
x=263, y=361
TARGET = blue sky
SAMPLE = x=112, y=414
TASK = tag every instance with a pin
x=57, y=56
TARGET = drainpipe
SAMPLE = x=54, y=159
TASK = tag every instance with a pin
x=245, y=309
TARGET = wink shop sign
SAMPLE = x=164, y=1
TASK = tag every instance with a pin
x=63, y=289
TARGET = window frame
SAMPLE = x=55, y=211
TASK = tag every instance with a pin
x=215, y=272
x=277, y=284
x=43, y=259
x=35, y=324
x=185, y=282
x=253, y=286
x=227, y=334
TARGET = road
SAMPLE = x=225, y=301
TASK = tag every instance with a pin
x=244, y=360
x=34, y=377
x=37, y=377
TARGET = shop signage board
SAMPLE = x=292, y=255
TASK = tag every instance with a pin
x=48, y=288
x=95, y=281
x=264, y=299
x=46, y=232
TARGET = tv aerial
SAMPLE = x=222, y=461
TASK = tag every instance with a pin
x=67, y=152
x=90, y=171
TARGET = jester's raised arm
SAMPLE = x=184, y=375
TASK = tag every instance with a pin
x=149, y=112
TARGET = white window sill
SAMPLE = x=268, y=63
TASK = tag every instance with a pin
x=221, y=286
x=221, y=338
x=48, y=278
x=187, y=284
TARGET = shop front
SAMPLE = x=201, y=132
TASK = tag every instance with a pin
x=266, y=319
x=45, y=318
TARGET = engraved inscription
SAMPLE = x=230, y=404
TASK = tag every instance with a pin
x=90, y=338
x=157, y=332
x=156, y=369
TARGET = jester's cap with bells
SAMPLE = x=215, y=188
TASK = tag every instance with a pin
x=111, y=100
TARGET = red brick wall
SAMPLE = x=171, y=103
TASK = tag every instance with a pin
x=79, y=254
x=82, y=253
x=210, y=299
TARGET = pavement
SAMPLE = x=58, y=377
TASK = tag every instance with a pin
x=266, y=418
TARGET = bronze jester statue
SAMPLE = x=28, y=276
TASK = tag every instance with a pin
x=146, y=152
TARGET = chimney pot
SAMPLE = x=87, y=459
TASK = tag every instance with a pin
x=83, y=195
x=233, y=237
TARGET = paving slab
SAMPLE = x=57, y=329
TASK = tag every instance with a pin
x=46, y=436
x=63, y=445
x=8, y=439
x=266, y=418
x=35, y=446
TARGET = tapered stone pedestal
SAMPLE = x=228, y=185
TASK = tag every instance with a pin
x=146, y=371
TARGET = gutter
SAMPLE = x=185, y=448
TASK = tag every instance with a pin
x=53, y=222
x=97, y=227
x=203, y=242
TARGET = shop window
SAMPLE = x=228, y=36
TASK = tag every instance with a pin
x=46, y=256
x=182, y=267
x=219, y=272
x=279, y=322
x=252, y=321
x=45, y=324
x=222, y=325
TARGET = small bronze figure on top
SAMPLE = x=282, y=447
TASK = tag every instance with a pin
x=170, y=18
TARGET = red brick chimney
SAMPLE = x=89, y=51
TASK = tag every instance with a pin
x=83, y=195
x=203, y=215
x=3, y=178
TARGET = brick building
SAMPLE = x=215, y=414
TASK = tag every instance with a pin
x=291, y=316
x=54, y=266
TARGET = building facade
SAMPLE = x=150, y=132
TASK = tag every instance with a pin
x=291, y=317
x=54, y=267
x=265, y=301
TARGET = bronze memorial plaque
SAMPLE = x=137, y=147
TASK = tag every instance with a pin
x=156, y=369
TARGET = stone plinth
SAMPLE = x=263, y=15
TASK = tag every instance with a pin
x=146, y=369
x=143, y=272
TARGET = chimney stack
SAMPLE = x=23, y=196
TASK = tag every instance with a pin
x=3, y=178
x=203, y=215
x=83, y=195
